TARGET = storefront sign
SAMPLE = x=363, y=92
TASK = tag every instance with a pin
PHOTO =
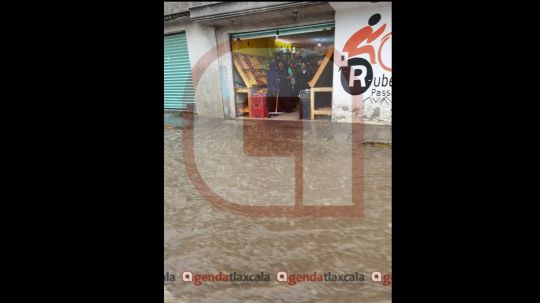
x=357, y=72
x=363, y=59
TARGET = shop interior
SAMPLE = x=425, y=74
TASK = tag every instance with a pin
x=298, y=88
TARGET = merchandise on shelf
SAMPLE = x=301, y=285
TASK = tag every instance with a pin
x=253, y=62
x=262, y=92
x=253, y=68
x=251, y=77
x=260, y=77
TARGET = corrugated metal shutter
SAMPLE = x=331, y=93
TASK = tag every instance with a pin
x=178, y=85
x=285, y=31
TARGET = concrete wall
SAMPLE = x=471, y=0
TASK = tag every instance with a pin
x=176, y=7
x=374, y=106
x=201, y=40
x=228, y=9
x=226, y=72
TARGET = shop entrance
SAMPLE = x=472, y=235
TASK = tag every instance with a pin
x=287, y=70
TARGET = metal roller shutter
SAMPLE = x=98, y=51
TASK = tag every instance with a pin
x=285, y=31
x=178, y=84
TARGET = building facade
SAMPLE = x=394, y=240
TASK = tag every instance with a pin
x=201, y=39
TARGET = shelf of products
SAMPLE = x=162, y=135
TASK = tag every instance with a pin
x=251, y=68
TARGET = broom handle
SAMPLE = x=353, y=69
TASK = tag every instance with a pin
x=277, y=99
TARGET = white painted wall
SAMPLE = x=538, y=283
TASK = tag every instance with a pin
x=374, y=106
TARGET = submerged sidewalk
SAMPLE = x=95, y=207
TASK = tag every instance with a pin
x=377, y=134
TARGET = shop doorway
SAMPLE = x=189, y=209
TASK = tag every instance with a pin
x=285, y=70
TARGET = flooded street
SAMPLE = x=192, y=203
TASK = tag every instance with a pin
x=252, y=197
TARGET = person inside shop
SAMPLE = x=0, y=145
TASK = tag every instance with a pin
x=286, y=101
x=272, y=81
x=302, y=78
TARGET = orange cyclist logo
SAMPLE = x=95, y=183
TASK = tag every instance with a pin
x=357, y=73
x=366, y=34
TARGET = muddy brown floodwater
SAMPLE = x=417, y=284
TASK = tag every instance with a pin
x=205, y=238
